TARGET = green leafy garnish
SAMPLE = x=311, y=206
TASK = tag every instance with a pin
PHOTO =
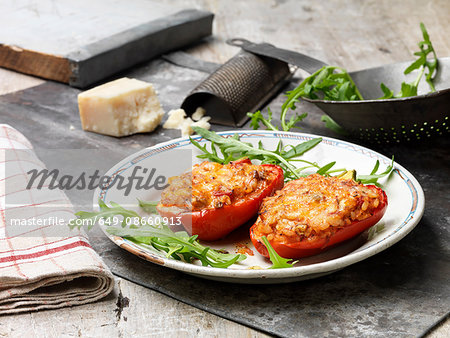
x=106, y=214
x=328, y=83
x=388, y=94
x=232, y=149
x=292, y=123
x=333, y=125
x=375, y=230
x=278, y=262
x=331, y=83
x=373, y=177
x=257, y=118
x=148, y=206
x=422, y=64
x=177, y=245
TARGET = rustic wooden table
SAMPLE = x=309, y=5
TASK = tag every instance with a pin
x=354, y=34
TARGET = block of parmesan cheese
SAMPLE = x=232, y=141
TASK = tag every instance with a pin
x=121, y=107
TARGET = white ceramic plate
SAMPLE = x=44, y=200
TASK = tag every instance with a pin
x=405, y=209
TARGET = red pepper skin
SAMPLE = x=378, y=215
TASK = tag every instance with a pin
x=214, y=223
x=307, y=247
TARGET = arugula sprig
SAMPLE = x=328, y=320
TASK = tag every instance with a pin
x=106, y=214
x=232, y=148
x=258, y=117
x=148, y=206
x=177, y=245
x=329, y=83
x=426, y=47
x=278, y=262
x=422, y=64
x=333, y=125
x=332, y=83
x=373, y=177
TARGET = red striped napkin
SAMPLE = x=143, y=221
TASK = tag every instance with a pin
x=42, y=266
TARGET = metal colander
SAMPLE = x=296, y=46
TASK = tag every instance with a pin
x=410, y=119
x=417, y=118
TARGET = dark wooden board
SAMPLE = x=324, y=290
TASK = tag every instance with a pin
x=84, y=42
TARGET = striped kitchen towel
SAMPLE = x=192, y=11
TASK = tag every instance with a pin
x=43, y=264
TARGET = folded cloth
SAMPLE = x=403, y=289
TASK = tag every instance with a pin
x=42, y=265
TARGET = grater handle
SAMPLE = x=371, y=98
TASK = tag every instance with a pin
x=303, y=61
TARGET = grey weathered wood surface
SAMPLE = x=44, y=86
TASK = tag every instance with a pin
x=353, y=34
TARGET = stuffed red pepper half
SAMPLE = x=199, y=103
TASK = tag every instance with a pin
x=314, y=213
x=214, y=199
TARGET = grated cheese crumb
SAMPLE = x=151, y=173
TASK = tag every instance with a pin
x=198, y=114
x=178, y=120
x=175, y=118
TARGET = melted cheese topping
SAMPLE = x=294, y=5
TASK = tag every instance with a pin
x=213, y=185
x=315, y=206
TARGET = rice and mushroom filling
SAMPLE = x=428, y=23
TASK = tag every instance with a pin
x=213, y=185
x=315, y=206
